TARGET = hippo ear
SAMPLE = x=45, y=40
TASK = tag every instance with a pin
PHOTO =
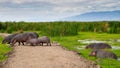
x=94, y=53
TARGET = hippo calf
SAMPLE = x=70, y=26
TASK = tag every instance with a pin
x=33, y=42
x=98, y=46
x=103, y=54
x=8, y=38
x=44, y=39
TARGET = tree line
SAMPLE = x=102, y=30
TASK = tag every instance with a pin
x=61, y=28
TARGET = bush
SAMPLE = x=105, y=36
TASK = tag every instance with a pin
x=61, y=29
x=9, y=30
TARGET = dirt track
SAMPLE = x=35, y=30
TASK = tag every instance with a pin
x=46, y=57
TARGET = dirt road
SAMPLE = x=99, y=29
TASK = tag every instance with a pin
x=46, y=57
x=4, y=34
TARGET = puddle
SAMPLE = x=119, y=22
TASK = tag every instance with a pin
x=118, y=40
x=115, y=47
x=87, y=41
x=83, y=47
x=118, y=59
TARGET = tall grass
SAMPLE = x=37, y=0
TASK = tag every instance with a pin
x=61, y=28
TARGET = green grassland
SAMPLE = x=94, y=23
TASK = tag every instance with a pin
x=71, y=43
x=3, y=50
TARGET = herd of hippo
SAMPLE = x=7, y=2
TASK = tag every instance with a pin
x=28, y=38
x=32, y=39
x=99, y=50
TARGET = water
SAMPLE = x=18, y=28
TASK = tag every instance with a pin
x=88, y=41
x=83, y=47
x=118, y=40
x=115, y=47
x=118, y=59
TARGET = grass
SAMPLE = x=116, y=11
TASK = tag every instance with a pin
x=71, y=43
x=3, y=50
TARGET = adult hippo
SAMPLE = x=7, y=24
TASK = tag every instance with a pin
x=23, y=37
x=8, y=38
x=103, y=54
x=98, y=46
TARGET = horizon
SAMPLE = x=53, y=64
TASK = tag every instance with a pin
x=51, y=10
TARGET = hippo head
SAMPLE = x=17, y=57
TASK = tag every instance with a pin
x=87, y=47
x=91, y=46
x=93, y=53
x=3, y=42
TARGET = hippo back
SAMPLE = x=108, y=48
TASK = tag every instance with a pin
x=104, y=54
x=101, y=46
x=44, y=39
x=32, y=34
x=98, y=46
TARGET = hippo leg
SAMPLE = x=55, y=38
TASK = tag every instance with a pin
x=19, y=43
x=23, y=43
x=50, y=44
x=13, y=42
x=42, y=44
x=31, y=44
x=34, y=44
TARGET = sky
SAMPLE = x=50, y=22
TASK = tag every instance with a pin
x=51, y=10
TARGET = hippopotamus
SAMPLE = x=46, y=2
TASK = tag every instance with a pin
x=23, y=37
x=33, y=34
x=8, y=38
x=33, y=42
x=98, y=46
x=44, y=39
x=103, y=54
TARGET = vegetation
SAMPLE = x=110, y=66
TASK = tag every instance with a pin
x=61, y=28
x=3, y=50
x=68, y=34
x=71, y=43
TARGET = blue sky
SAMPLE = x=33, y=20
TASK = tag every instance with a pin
x=50, y=10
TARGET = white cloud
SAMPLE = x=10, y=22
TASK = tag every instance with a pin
x=51, y=9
